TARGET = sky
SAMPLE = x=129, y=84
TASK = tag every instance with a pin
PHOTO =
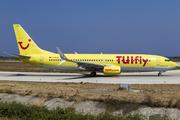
x=94, y=26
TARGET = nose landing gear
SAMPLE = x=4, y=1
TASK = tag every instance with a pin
x=159, y=74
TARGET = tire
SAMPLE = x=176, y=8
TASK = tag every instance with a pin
x=93, y=74
x=159, y=74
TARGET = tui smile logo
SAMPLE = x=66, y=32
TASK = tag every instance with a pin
x=24, y=48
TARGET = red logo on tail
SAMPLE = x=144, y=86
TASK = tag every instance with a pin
x=24, y=48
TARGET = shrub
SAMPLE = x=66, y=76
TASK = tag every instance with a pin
x=16, y=110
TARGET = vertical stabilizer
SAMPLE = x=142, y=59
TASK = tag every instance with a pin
x=25, y=44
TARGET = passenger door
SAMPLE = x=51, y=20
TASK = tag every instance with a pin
x=157, y=61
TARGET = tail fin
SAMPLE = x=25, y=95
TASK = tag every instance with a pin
x=25, y=44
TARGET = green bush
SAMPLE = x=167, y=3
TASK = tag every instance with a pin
x=175, y=59
x=18, y=111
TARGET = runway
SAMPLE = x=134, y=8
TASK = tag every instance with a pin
x=169, y=77
x=178, y=63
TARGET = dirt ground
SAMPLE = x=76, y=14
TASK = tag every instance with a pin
x=152, y=94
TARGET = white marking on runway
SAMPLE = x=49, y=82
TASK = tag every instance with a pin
x=170, y=77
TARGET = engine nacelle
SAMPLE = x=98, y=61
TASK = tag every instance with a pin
x=112, y=70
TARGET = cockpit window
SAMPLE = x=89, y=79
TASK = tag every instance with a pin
x=167, y=60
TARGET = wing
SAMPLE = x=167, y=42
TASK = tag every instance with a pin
x=90, y=66
x=86, y=65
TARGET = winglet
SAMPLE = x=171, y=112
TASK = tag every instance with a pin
x=63, y=57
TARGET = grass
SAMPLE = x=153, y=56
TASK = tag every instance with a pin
x=21, y=67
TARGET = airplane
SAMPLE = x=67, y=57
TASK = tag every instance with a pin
x=109, y=64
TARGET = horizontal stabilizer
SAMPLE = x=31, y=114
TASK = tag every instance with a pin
x=22, y=56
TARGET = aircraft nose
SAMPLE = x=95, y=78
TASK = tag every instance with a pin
x=174, y=64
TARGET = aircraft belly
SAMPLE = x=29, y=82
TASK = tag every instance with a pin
x=136, y=68
x=162, y=68
x=123, y=68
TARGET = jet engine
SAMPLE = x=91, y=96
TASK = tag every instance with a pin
x=112, y=70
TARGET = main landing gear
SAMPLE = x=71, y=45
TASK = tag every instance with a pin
x=159, y=74
x=93, y=73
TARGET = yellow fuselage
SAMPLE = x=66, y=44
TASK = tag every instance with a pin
x=140, y=61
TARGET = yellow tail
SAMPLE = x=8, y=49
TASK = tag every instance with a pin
x=25, y=44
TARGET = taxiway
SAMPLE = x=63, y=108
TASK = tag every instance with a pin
x=169, y=77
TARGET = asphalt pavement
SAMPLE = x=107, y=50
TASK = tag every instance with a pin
x=169, y=77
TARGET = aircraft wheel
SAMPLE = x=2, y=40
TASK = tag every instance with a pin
x=159, y=74
x=93, y=74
